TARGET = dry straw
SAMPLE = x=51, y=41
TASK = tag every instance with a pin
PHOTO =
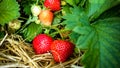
x=15, y=52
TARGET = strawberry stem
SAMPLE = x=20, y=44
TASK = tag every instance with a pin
x=30, y=19
x=47, y=31
x=37, y=2
x=58, y=31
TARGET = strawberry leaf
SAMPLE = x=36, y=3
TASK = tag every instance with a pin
x=96, y=7
x=31, y=31
x=57, y=19
x=75, y=18
x=2, y=34
x=74, y=36
x=27, y=9
x=103, y=46
x=65, y=9
x=111, y=12
x=73, y=2
x=26, y=5
x=100, y=39
x=9, y=10
x=85, y=39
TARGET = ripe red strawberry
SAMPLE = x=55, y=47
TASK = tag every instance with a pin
x=61, y=50
x=46, y=17
x=42, y=43
x=54, y=5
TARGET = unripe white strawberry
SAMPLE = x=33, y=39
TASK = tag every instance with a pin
x=35, y=9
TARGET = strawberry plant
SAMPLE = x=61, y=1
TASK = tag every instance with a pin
x=70, y=29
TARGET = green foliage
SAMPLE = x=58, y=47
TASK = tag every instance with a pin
x=104, y=46
x=94, y=27
x=95, y=8
x=9, y=10
x=100, y=39
x=65, y=9
x=1, y=34
x=27, y=9
x=57, y=19
x=74, y=36
x=73, y=2
x=113, y=12
x=26, y=5
x=31, y=31
x=75, y=18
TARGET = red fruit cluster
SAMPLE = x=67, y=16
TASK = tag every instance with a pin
x=46, y=16
x=60, y=49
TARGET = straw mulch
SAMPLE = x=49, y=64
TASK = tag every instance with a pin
x=15, y=52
